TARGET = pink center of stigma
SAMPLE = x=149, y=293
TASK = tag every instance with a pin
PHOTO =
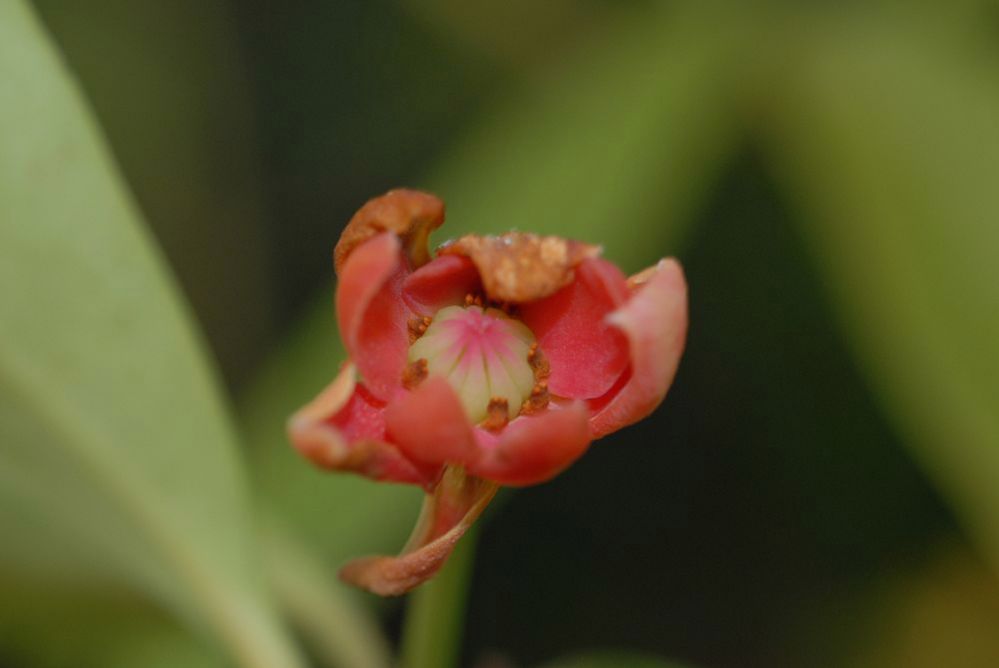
x=483, y=353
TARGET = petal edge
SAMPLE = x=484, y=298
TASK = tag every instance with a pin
x=587, y=353
x=534, y=449
x=372, y=315
x=340, y=430
x=655, y=322
x=429, y=424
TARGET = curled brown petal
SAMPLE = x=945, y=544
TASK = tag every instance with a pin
x=447, y=514
x=410, y=214
x=520, y=267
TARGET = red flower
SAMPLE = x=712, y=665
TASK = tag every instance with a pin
x=494, y=363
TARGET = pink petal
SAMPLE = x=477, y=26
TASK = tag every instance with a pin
x=430, y=426
x=443, y=282
x=343, y=428
x=371, y=313
x=447, y=514
x=655, y=322
x=587, y=355
x=533, y=449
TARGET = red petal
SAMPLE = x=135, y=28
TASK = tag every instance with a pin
x=371, y=313
x=586, y=354
x=533, y=449
x=443, y=282
x=655, y=322
x=447, y=514
x=344, y=429
x=430, y=426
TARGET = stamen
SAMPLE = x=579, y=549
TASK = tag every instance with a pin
x=538, y=362
x=414, y=373
x=537, y=401
x=497, y=414
x=418, y=327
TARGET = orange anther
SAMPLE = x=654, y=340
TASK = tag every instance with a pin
x=414, y=373
x=497, y=414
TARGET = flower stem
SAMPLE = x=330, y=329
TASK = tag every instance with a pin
x=435, y=615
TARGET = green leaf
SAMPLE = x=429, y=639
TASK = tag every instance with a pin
x=888, y=135
x=940, y=613
x=89, y=626
x=340, y=631
x=612, y=659
x=118, y=458
x=165, y=81
x=497, y=28
x=616, y=145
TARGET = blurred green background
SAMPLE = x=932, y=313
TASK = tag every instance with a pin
x=821, y=487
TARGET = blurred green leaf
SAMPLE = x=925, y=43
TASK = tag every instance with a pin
x=888, y=137
x=616, y=144
x=341, y=632
x=92, y=627
x=498, y=29
x=944, y=613
x=612, y=659
x=166, y=82
x=119, y=461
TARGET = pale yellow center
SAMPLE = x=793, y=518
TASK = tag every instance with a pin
x=483, y=353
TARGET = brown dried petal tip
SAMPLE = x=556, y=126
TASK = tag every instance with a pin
x=520, y=267
x=410, y=214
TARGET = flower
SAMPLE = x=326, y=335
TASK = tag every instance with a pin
x=496, y=362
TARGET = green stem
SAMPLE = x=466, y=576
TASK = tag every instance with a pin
x=431, y=635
